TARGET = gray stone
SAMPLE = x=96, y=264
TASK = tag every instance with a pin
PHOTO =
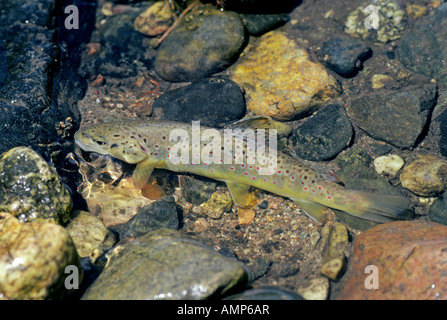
x=164, y=265
x=423, y=49
x=197, y=191
x=438, y=210
x=258, y=24
x=212, y=101
x=344, y=55
x=206, y=41
x=324, y=135
x=158, y=215
x=398, y=118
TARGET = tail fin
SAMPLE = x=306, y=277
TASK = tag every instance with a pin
x=379, y=207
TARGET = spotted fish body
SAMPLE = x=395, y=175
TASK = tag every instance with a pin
x=148, y=144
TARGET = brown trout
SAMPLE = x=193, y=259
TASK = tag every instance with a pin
x=149, y=145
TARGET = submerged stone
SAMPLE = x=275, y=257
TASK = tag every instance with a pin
x=164, y=265
x=30, y=189
x=290, y=86
x=397, y=117
x=386, y=15
x=316, y=140
x=33, y=258
x=423, y=49
x=212, y=101
x=206, y=41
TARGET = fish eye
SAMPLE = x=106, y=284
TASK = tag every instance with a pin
x=99, y=141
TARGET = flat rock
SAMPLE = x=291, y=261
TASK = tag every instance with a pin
x=33, y=258
x=274, y=92
x=422, y=49
x=408, y=257
x=30, y=189
x=395, y=117
x=206, y=41
x=158, y=215
x=162, y=265
x=212, y=101
x=315, y=140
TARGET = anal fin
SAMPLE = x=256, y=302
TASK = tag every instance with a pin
x=142, y=174
x=239, y=192
x=314, y=210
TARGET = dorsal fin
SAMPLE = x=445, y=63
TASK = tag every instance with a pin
x=261, y=122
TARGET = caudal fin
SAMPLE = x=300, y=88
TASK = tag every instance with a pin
x=379, y=207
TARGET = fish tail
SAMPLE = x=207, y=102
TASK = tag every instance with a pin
x=376, y=207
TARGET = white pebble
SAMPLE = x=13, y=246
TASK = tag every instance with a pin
x=388, y=164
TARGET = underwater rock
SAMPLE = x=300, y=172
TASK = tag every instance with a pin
x=396, y=117
x=33, y=258
x=425, y=176
x=89, y=235
x=197, y=191
x=265, y=293
x=257, y=24
x=443, y=140
x=334, y=260
x=422, y=49
x=30, y=189
x=290, y=86
x=205, y=41
x=388, y=164
x=315, y=140
x=406, y=260
x=155, y=20
x=344, y=55
x=164, y=265
x=391, y=20
x=318, y=289
x=161, y=214
x=212, y=101
x=438, y=210
x=217, y=205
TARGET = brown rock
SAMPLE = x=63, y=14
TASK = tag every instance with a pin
x=409, y=257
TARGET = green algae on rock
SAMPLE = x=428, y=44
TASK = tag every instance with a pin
x=30, y=189
x=33, y=258
x=165, y=265
x=290, y=86
x=205, y=41
x=391, y=22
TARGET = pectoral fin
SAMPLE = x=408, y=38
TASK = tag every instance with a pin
x=142, y=174
x=314, y=210
x=239, y=192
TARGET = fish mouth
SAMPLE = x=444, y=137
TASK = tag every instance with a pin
x=80, y=136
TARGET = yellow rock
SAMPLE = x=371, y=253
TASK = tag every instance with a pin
x=416, y=11
x=378, y=80
x=291, y=85
x=155, y=20
x=426, y=176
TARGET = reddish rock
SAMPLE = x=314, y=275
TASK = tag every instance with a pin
x=411, y=261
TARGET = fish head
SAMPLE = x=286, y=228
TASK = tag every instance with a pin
x=108, y=139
